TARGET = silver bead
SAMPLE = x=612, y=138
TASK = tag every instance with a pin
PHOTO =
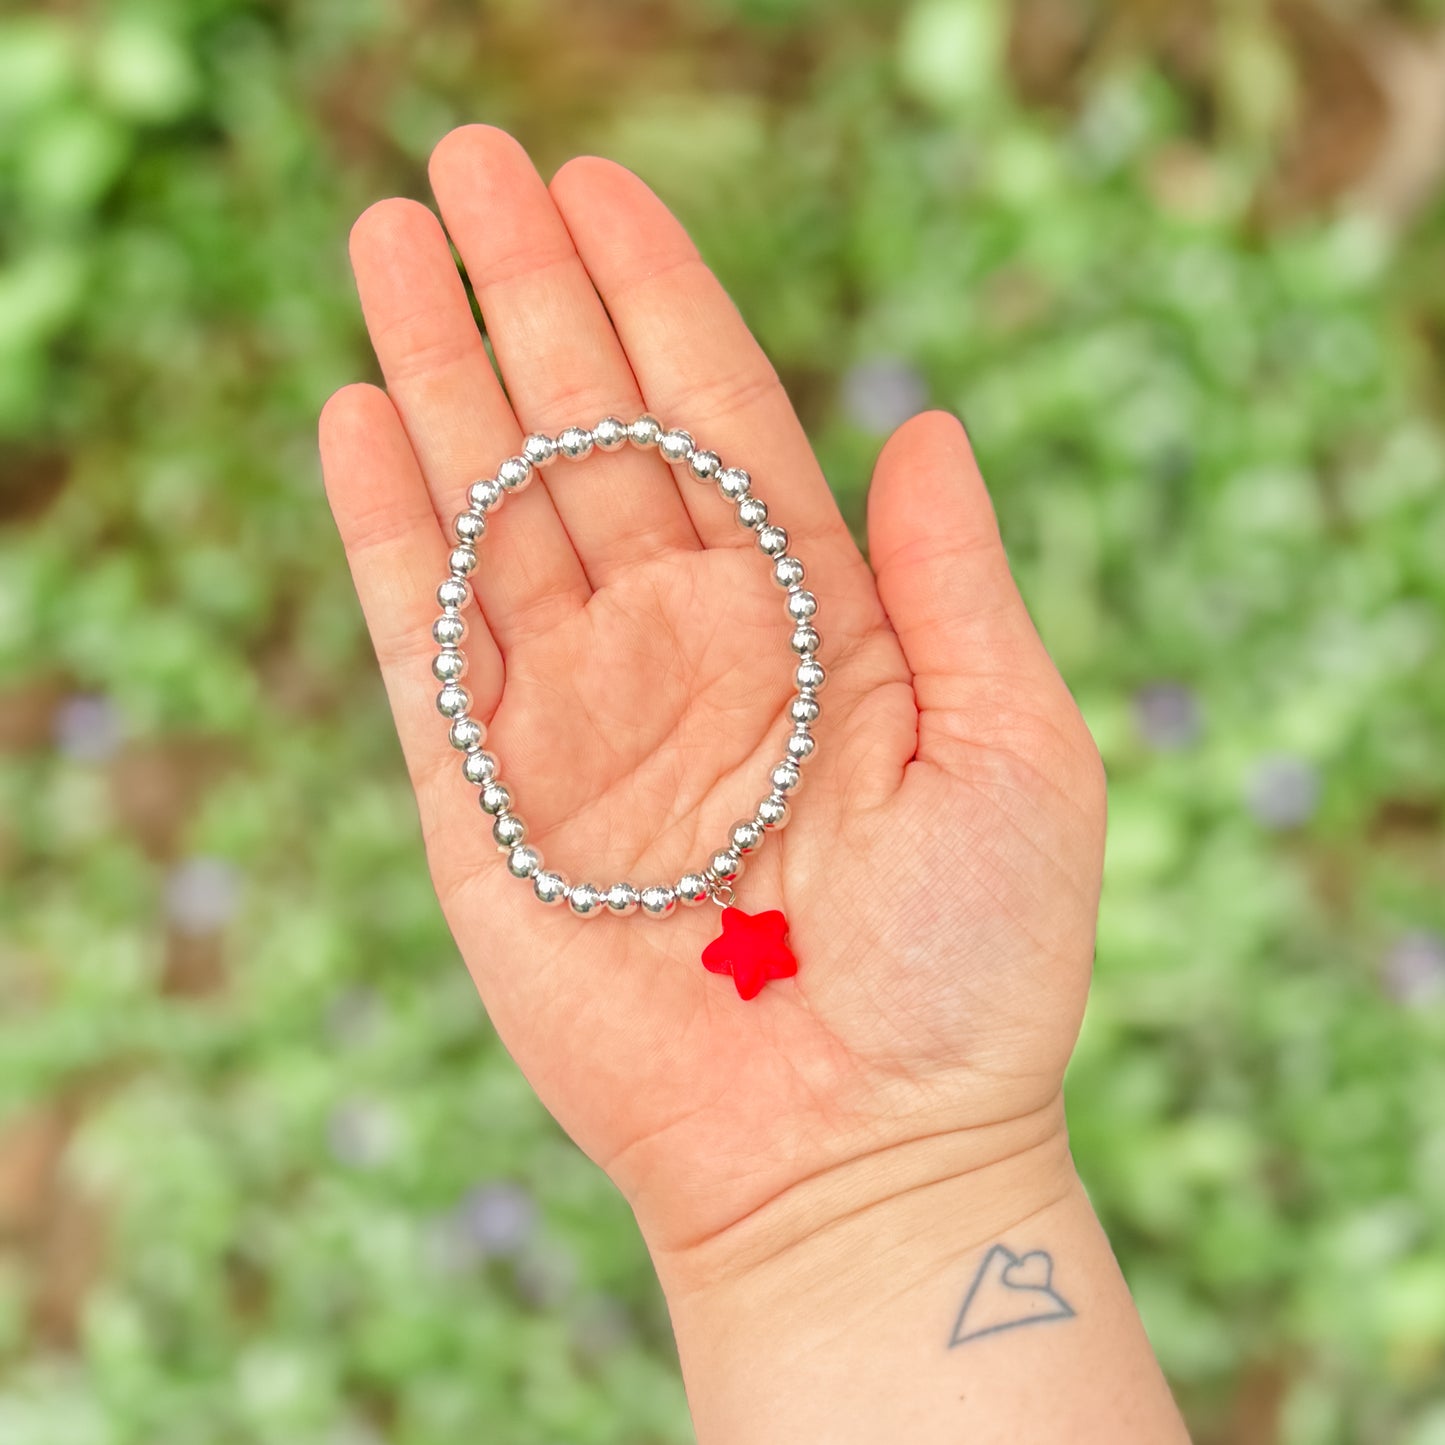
x=745, y=836
x=469, y=526
x=805, y=640
x=810, y=674
x=752, y=512
x=496, y=798
x=574, y=442
x=674, y=445
x=585, y=899
x=692, y=889
x=524, y=862
x=609, y=434
x=453, y=700
x=508, y=831
x=466, y=734
x=804, y=709
x=773, y=539
x=479, y=768
x=449, y=666
x=486, y=495
x=449, y=629
x=462, y=560
x=800, y=745
x=645, y=431
x=455, y=592
x=515, y=473
x=549, y=886
x=725, y=865
x=773, y=811
x=657, y=900
x=704, y=466
x=786, y=777
x=801, y=605
x=622, y=899
x=733, y=483
x=539, y=449
x=788, y=571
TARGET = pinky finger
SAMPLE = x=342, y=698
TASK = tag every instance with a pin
x=397, y=553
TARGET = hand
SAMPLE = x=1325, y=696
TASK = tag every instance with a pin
x=941, y=870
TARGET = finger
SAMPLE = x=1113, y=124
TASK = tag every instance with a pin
x=455, y=413
x=557, y=352
x=397, y=556
x=698, y=365
x=980, y=672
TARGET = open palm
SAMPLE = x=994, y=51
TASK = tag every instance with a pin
x=629, y=653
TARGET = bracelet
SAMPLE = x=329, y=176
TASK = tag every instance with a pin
x=752, y=948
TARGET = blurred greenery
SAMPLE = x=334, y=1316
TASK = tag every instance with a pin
x=264, y=1172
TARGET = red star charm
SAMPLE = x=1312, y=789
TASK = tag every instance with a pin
x=753, y=947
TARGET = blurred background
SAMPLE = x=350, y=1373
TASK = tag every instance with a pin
x=265, y=1173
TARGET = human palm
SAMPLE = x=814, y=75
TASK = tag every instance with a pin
x=940, y=871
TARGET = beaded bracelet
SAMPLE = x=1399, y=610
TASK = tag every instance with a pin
x=752, y=948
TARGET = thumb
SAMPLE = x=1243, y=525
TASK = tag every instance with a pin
x=980, y=673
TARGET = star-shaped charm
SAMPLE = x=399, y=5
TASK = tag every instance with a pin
x=753, y=947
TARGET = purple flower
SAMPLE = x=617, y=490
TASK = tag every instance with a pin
x=1414, y=969
x=88, y=728
x=202, y=895
x=881, y=392
x=1283, y=792
x=498, y=1219
x=1167, y=715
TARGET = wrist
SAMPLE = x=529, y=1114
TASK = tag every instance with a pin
x=921, y=1291
x=935, y=1190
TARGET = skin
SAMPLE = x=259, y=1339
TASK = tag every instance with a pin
x=821, y=1168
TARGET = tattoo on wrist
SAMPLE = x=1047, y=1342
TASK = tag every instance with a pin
x=1009, y=1291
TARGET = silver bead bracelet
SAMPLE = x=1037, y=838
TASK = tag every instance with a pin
x=716, y=880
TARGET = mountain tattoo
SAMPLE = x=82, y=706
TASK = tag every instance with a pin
x=1010, y=1290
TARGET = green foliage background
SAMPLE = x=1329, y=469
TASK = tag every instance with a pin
x=259, y=1153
